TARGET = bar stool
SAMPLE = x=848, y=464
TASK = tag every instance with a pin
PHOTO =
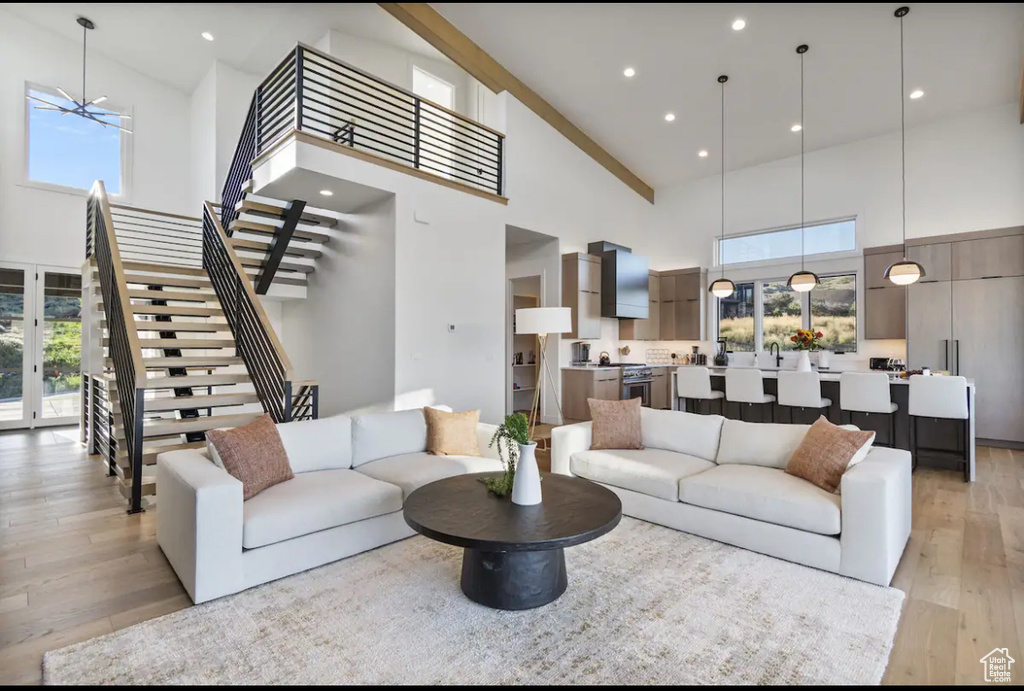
x=801, y=390
x=745, y=385
x=694, y=384
x=941, y=398
x=867, y=394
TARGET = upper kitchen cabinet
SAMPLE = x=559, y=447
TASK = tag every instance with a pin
x=581, y=292
x=687, y=321
x=645, y=329
x=876, y=261
x=885, y=304
x=991, y=257
x=936, y=258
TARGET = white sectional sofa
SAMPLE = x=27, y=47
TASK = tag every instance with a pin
x=352, y=476
x=725, y=480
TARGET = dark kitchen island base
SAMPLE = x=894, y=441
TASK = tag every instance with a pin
x=514, y=580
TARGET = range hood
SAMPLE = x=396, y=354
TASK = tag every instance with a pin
x=624, y=281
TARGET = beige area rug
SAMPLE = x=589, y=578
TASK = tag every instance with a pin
x=645, y=604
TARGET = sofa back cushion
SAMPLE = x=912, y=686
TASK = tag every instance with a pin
x=323, y=444
x=382, y=435
x=695, y=435
x=759, y=443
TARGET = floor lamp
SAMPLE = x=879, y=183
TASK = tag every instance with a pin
x=543, y=321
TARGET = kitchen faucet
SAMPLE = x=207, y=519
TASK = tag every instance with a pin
x=778, y=353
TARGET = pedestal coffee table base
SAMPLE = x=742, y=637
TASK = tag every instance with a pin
x=513, y=580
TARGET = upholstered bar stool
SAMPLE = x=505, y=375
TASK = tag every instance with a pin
x=802, y=390
x=745, y=385
x=940, y=398
x=694, y=384
x=867, y=394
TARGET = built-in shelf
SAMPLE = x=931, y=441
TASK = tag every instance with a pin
x=525, y=388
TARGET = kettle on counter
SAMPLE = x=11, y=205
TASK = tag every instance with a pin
x=604, y=359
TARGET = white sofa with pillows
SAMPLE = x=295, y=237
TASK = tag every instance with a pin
x=352, y=475
x=726, y=480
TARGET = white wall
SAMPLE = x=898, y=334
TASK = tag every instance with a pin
x=203, y=142
x=44, y=226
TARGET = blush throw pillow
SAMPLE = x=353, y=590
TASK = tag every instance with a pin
x=616, y=424
x=452, y=434
x=253, y=454
x=826, y=452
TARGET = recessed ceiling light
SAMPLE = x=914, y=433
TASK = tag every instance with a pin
x=207, y=35
x=739, y=25
x=703, y=153
x=629, y=72
x=327, y=193
x=916, y=93
x=796, y=128
x=669, y=117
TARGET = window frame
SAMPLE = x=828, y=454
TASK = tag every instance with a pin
x=839, y=254
x=124, y=196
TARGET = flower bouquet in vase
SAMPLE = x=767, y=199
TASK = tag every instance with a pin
x=805, y=340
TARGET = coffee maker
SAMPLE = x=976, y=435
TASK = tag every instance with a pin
x=580, y=353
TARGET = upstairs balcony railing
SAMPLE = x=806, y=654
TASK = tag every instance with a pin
x=313, y=92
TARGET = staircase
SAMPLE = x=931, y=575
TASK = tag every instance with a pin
x=187, y=347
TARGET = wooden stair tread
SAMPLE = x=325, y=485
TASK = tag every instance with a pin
x=302, y=232
x=173, y=311
x=170, y=281
x=172, y=327
x=187, y=362
x=183, y=343
x=197, y=380
x=284, y=266
x=279, y=279
x=165, y=269
x=151, y=428
x=172, y=295
x=260, y=246
x=246, y=205
x=216, y=400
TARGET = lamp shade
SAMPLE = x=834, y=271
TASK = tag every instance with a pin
x=543, y=320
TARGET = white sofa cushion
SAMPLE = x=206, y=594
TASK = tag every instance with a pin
x=764, y=494
x=383, y=435
x=323, y=444
x=655, y=472
x=759, y=443
x=413, y=470
x=696, y=435
x=314, y=501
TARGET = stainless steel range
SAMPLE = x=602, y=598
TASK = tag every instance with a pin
x=636, y=382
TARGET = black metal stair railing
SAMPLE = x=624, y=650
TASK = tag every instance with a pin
x=240, y=171
x=255, y=341
x=313, y=92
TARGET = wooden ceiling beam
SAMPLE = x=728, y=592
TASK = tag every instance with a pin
x=460, y=49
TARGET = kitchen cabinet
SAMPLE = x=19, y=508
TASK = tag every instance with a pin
x=689, y=306
x=929, y=324
x=876, y=261
x=661, y=388
x=580, y=384
x=645, y=329
x=885, y=304
x=581, y=292
x=936, y=258
x=988, y=257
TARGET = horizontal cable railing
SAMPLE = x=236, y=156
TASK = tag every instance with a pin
x=123, y=341
x=255, y=340
x=313, y=92
x=240, y=171
x=158, y=237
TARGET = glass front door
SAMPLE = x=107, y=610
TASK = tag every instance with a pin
x=59, y=369
x=14, y=394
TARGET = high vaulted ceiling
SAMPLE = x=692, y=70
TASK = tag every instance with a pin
x=164, y=41
x=963, y=56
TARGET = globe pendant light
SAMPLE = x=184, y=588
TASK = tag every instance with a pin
x=802, y=281
x=722, y=287
x=903, y=272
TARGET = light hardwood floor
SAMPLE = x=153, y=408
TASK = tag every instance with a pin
x=74, y=566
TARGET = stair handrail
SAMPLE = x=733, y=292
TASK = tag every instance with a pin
x=256, y=340
x=240, y=171
x=124, y=347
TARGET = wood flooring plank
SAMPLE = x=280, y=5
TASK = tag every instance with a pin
x=938, y=570
x=987, y=619
x=906, y=570
x=13, y=602
x=22, y=663
x=983, y=539
x=925, y=648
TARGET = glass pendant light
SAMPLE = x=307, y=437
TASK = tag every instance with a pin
x=903, y=272
x=722, y=287
x=802, y=281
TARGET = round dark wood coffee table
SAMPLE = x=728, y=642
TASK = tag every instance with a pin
x=514, y=555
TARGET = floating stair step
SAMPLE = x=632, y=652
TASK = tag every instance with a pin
x=302, y=232
x=194, y=381
x=172, y=295
x=183, y=343
x=150, y=450
x=253, y=206
x=172, y=311
x=292, y=279
x=168, y=281
x=165, y=269
x=190, y=362
x=284, y=266
x=148, y=487
x=216, y=400
x=260, y=246
x=178, y=327
x=200, y=424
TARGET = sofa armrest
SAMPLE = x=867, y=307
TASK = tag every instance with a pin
x=565, y=441
x=484, y=433
x=199, y=527
x=876, y=510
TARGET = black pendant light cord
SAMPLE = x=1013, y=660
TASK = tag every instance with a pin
x=85, y=37
x=721, y=260
x=802, y=157
x=903, y=140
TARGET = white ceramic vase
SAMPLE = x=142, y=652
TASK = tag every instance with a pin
x=526, y=486
x=824, y=359
x=803, y=362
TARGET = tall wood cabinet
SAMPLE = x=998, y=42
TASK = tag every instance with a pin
x=645, y=329
x=885, y=304
x=581, y=291
x=580, y=384
x=683, y=304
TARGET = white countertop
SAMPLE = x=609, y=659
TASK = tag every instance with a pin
x=769, y=372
